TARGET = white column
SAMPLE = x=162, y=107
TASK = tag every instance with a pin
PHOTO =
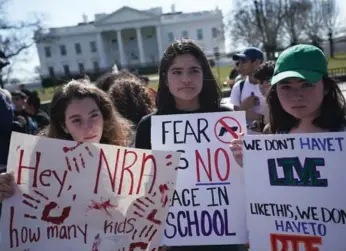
x=159, y=41
x=140, y=46
x=121, y=48
x=101, y=51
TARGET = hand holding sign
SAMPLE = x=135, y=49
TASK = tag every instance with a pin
x=6, y=186
x=237, y=149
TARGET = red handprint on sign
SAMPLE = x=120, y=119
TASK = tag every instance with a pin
x=78, y=161
x=164, y=198
x=47, y=209
x=102, y=206
x=147, y=208
x=146, y=233
x=143, y=205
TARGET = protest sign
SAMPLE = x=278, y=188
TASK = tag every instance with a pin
x=73, y=196
x=208, y=205
x=295, y=187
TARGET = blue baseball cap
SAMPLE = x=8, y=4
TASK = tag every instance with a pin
x=251, y=53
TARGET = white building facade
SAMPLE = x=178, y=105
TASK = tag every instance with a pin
x=126, y=37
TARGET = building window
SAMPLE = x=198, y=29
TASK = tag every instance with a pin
x=170, y=36
x=215, y=32
x=96, y=66
x=93, y=46
x=47, y=51
x=185, y=34
x=66, y=70
x=51, y=72
x=81, y=68
x=200, y=34
x=78, y=48
x=114, y=44
x=63, y=50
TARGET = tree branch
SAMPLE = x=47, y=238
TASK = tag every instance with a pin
x=19, y=50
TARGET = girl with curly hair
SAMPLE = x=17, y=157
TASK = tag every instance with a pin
x=80, y=112
x=131, y=99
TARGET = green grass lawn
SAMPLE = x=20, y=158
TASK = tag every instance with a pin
x=224, y=72
x=337, y=62
x=47, y=93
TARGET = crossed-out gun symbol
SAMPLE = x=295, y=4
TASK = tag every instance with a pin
x=223, y=130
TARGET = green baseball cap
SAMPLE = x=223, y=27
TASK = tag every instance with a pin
x=300, y=61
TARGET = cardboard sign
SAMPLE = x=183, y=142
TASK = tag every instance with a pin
x=73, y=196
x=295, y=191
x=208, y=205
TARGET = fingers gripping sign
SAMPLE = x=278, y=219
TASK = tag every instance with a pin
x=6, y=185
x=236, y=147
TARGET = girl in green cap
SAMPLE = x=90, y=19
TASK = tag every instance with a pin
x=302, y=98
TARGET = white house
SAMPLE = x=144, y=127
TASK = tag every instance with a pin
x=126, y=37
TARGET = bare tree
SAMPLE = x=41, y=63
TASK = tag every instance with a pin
x=15, y=37
x=330, y=18
x=314, y=24
x=276, y=24
x=294, y=20
x=259, y=22
x=243, y=25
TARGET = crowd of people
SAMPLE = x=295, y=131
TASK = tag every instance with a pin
x=20, y=112
x=292, y=95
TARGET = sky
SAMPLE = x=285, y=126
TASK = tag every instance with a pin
x=60, y=13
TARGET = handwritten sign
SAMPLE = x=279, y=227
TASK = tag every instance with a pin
x=208, y=204
x=295, y=191
x=73, y=196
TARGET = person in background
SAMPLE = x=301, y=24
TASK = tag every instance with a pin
x=246, y=95
x=107, y=80
x=7, y=94
x=145, y=80
x=234, y=75
x=152, y=92
x=19, y=123
x=18, y=100
x=36, y=116
x=302, y=98
x=263, y=76
x=24, y=90
x=7, y=116
x=131, y=99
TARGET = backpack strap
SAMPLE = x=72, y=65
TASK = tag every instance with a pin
x=241, y=87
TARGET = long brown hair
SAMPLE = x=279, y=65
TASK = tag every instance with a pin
x=210, y=96
x=332, y=115
x=116, y=129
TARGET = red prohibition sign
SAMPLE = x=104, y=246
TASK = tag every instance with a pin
x=225, y=122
